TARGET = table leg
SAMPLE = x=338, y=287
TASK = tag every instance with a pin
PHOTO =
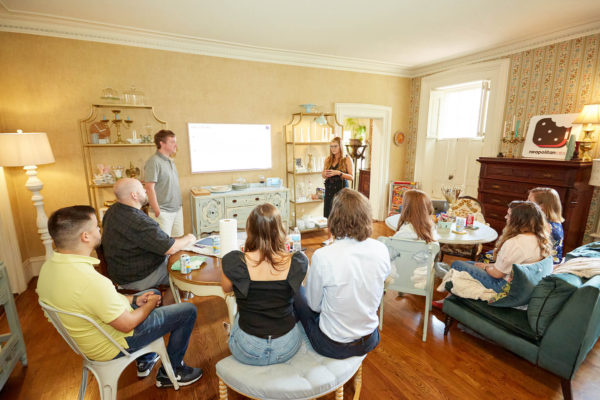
x=174, y=290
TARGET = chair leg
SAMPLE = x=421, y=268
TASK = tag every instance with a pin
x=381, y=312
x=339, y=393
x=108, y=387
x=448, y=323
x=566, y=389
x=222, y=390
x=83, y=386
x=358, y=383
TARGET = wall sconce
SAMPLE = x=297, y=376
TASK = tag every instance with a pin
x=590, y=118
x=29, y=150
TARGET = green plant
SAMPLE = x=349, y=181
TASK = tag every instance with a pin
x=358, y=130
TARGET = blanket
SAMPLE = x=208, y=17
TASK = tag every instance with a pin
x=464, y=285
x=583, y=267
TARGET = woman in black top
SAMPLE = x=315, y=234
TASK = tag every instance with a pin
x=337, y=172
x=264, y=280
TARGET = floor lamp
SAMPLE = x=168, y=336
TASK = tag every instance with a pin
x=28, y=150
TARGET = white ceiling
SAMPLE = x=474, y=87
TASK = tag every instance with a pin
x=401, y=34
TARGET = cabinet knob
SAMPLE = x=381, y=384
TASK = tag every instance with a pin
x=495, y=186
x=547, y=175
x=234, y=201
x=234, y=215
x=257, y=199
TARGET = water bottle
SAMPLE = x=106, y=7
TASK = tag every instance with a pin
x=216, y=245
x=296, y=239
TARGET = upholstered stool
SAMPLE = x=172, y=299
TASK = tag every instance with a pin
x=307, y=375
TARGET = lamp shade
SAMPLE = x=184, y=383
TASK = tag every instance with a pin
x=21, y=149
x=595, y=177
x=589, y=115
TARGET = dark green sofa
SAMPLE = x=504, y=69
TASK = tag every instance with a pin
x=566, y=338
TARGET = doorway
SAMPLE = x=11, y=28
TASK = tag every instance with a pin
x=450, y=157
x=380, y=154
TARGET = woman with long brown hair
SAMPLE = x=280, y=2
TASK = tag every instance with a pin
x=524, y=240
x=549, y=201
x=416, y=218
x=337, y=172
x=264, y=280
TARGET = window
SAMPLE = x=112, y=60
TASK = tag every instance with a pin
x=459, y=111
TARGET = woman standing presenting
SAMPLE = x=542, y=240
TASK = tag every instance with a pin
x=337, y=171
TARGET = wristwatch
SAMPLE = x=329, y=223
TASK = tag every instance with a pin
x=134, y=301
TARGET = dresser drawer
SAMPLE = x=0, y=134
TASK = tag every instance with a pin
x=498, y=200
x=547, y=175
x=519, y=189
x=242, y=201
x=240, y=214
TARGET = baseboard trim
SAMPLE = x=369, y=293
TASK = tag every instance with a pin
x=32, y=267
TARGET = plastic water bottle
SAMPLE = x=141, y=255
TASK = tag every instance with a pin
x=296, y=240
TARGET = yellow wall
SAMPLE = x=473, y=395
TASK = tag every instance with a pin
x=48, y=85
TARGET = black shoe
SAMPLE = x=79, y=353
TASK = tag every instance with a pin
x=145, y=366
x=185, y=376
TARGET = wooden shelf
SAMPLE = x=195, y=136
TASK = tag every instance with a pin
x=306, y=201
x=121, y=145
x=304, y=173
x=306, y=143
x=104, y=185
x=102, y=105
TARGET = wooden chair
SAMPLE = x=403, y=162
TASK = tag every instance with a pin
x=464, y=206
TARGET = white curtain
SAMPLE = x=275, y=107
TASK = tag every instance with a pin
x=10, y=253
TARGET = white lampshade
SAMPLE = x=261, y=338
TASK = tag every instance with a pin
x=589, y=115
x=595, y=177
x=21, y=149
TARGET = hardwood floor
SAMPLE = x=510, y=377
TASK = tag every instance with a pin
x=458, y=366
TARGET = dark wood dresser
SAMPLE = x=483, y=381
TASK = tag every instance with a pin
x=502, y=180
x=364, y=181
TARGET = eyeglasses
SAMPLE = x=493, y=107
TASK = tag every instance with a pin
x=333, y=146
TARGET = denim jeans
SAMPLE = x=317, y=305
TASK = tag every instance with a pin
x=496, y=284
x=253, y=350
x=320, y=342
x=176, y=319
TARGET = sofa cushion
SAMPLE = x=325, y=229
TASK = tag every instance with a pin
x=511, y=319
x=548, y=298
x=524, y=278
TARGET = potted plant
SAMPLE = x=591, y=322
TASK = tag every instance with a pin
x=358, y=131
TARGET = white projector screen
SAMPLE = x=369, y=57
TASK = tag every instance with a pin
x=229, y=147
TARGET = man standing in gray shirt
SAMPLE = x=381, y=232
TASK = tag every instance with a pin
x=162, y=185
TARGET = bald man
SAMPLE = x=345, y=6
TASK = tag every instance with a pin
x=135, y=247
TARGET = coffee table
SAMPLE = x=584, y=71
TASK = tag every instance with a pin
x=205, y=281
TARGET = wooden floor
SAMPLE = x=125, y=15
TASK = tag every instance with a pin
x=458, y=366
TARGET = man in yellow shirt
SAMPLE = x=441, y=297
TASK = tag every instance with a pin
x=69, y=282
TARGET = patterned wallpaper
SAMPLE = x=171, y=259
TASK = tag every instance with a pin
x=554, y=79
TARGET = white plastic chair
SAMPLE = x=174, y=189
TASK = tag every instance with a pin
x=107, y=373
x=406, y=256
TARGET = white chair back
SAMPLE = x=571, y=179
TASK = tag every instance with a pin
x=406, y=256
x=52, y=314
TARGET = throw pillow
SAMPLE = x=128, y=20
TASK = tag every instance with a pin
x=524, y=278
x=548, y=299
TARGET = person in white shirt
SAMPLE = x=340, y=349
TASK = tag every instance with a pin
x=524, y=240
x=344, y=285
x=416, y=218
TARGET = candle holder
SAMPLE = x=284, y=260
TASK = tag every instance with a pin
x=512, y=140
x=117, y=123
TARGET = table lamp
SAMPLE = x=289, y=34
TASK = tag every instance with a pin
x=29, y=150
x=590, y=118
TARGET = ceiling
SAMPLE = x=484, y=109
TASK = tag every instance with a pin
x=392, y=35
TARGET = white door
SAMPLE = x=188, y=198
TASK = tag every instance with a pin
x=450, y=139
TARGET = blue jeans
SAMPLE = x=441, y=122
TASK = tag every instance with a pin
x=496, y=284
x=253, y=350
x=320, y=342
x=176, y=319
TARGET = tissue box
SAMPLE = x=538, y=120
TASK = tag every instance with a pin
x=273, y=182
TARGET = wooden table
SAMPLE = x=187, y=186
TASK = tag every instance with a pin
x=205, y=281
